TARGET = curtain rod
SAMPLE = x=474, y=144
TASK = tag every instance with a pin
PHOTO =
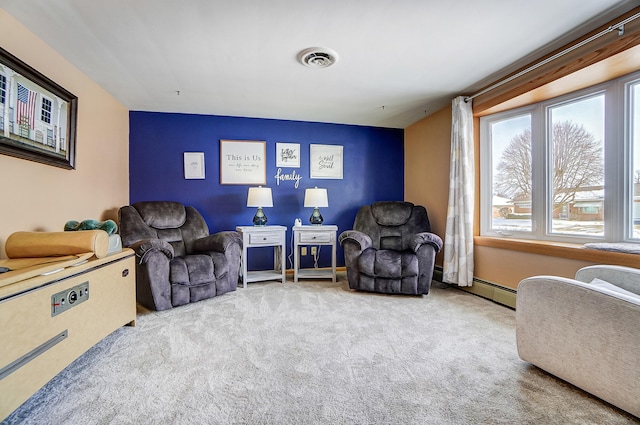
x=619, y=26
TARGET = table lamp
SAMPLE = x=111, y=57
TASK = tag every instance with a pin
x=316, y=198
x=259, y=197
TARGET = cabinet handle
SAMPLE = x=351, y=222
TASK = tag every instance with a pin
x=125, y=272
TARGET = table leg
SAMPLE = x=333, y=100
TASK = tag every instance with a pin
x=333, y=261
x=296, y=262
x=283, y=262
x=243, y=260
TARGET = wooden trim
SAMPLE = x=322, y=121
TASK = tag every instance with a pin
x=559, y=249
x=592, y=53
x=617, y=66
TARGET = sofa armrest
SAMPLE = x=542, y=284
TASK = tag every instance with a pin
x=427, y=238
x=145, y=247
x=626, y=278
x=362, y=239
x=219, y=242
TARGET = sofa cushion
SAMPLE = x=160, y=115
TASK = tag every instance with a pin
x=599, y=283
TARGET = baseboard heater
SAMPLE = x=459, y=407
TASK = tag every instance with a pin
x=21, y=361
x=497, y=293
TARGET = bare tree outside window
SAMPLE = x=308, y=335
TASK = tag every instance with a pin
x=577, y=163
x=513, y=179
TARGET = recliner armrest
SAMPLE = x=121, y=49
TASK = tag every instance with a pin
x=360, y=238
x=427, y=238
x=147, y=246
x=218, y=242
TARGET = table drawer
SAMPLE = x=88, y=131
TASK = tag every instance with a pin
x=266, y=238
x=319, y=237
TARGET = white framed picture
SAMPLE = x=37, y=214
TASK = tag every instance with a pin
x=194, y=165
x=288, y=155
x=325, y=161
x=243, y=162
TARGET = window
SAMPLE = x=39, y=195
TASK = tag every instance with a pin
x=567, y=169
x=633, y=107
x=3, y=89
x=45, y=115
x=576, y=165
x=511, y=173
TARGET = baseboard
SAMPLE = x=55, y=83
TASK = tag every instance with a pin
x=482, y=288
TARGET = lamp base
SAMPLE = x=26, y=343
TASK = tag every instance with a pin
x=316, y=218
x=259, y=219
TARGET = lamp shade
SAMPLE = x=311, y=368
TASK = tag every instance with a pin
x=259, y=197
x=316, y=198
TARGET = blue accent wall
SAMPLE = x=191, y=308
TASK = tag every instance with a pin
x=373, y=170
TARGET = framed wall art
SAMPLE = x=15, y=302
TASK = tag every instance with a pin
x=37, y=116
x=243, y=162
x=194, y=165
x=325, y=161
x=288, y=155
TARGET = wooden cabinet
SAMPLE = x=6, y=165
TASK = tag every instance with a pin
x=39, y=339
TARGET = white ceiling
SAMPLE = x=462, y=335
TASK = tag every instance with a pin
x=399, y=60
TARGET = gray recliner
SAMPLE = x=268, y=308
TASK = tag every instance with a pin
x=179, y=261
x=391, y=249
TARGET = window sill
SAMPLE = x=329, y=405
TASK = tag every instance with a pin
x=559, y=249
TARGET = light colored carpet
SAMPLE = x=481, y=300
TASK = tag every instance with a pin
x=315, y=353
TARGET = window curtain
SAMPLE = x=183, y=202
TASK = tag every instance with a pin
x=458, y=239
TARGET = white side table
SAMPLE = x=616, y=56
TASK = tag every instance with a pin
x=256, y=236
x=314, y=235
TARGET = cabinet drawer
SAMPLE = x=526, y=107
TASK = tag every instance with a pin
x=265, y=238
x=320, y=237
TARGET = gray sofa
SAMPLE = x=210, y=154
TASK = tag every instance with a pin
x=179, y=261
x=391, y=249
x=585, y=331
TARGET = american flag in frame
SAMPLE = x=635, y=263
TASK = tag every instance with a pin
x=37, y=116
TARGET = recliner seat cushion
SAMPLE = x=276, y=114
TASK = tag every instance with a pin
x=192, y=270
x=388, y=263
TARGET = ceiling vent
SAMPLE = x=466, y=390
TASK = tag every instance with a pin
x=318, y=57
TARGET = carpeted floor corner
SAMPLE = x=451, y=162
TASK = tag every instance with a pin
x=315, y=353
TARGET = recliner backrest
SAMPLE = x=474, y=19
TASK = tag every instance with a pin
x=392, y=224
x=166, y=220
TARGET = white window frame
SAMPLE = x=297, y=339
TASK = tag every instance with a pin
x=6, y=88
x=486, y=163
x=42, y=109
x=618, y=157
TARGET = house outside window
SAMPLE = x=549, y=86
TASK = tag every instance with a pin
x=566, y=169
